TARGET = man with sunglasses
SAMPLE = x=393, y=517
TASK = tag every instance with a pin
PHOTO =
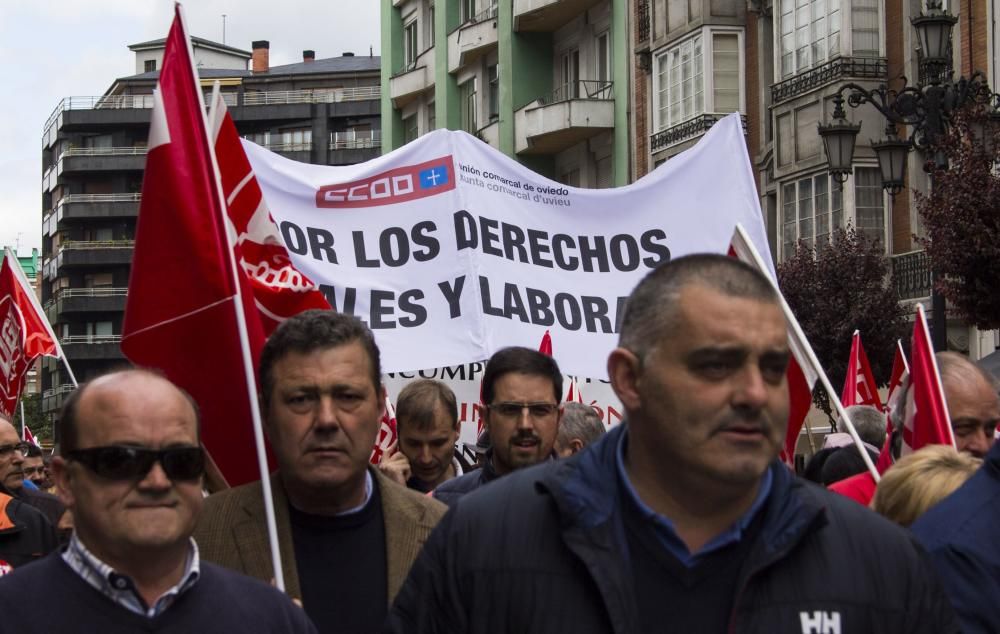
x=130, y=470
x=347, y=533
x=521, y=391
x=682, y=518
x=25, y=533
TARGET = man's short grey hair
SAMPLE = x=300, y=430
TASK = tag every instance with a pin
x=869, y=423
x=579, y=421
x=651, y=309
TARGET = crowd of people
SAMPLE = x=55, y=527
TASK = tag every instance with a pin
x=680, y=519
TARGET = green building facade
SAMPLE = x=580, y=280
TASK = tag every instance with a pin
x=543, y=81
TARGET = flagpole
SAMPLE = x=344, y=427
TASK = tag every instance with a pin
x=937, y=373
x=26, y=285
x=241, y=326
x=806, y=349
x=902, y=355
x=24, y=422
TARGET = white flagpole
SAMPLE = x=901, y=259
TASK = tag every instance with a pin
x=806, y=349
x=15, y=266
x=24, y=421
x=902, y=355
x=926, y=333
x=241, y=326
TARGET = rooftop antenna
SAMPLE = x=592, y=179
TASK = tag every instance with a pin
x=223, y=28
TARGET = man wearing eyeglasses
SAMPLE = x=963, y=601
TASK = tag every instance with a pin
x=25, y=533
x=681, y=519
x=12, y=474
x=521, y=391
x=131, y=472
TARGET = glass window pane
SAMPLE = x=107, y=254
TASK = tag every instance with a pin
x=726, y=77
x=868, y=197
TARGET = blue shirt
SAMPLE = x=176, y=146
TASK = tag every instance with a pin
x=664, y=528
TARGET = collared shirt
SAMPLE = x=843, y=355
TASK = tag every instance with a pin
x=664, y=528
x=368, y=496
x=120, y=588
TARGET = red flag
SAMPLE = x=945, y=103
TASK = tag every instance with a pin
x=386, y=434
x=180, y=314
x=27, y=436
x=25, y=334
x=801, y=374
x=573, y=394
x=930, y=423
x=546, y=346
x=280, y=290
x=859, y=384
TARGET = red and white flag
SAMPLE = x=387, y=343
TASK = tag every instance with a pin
x=181, y=313
x=25, y=334
x=859, y=384
x=387, y=435
x=573, y=394
x=27, y=436
x=900, y=370
x=801, y=373
x=280, y=290
x=929, y=423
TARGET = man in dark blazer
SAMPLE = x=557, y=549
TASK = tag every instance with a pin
x=347, y=535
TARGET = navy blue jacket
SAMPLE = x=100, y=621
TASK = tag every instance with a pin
x=544, y=550
x=450, y=491
x=962, y=533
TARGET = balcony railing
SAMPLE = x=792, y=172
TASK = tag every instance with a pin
x=834, y=70
x=99, y=198
x=65, y=388
x=686, y=130
x=353, y=139
x=326, y=95
x=486, y=14
x=642, y=9
x=278, y=146
x=581, y=89
x=90, y=339
x=135, y=150
x=912, y=273
x=99, y=291
x=96, y=244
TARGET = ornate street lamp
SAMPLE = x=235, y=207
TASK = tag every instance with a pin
x=838, y=141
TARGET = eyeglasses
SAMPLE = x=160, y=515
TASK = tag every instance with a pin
x=133, y=463
x=513, y=410
x=21, y=447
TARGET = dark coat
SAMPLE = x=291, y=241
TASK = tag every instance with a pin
x=961, y=534
x=25, y=534
x=450, y=491
x=543, y=550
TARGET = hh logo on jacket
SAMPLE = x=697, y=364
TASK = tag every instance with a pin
x=820, y=622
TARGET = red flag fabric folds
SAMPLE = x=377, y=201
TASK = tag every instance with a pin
x=180, y=314
x=24, y=334
x=930, y=423
x=859, y=383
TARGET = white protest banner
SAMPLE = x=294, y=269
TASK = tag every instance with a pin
x=450, y=250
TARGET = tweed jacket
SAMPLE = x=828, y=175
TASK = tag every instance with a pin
x=232, y=531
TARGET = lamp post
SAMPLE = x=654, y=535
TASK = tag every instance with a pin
x=925, y=110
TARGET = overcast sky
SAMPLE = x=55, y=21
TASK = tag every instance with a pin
x=50, y=49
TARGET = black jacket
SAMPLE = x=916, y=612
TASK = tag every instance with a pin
x=543, y=550
x=450, y=491
x=25, y=534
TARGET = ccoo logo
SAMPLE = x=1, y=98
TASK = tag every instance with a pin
x=394, y=186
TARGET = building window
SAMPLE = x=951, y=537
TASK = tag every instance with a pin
x=299, y=140
x=811, y=208
x=493, y=77
x=603, y=58
x=410, y=128
x=865, y=28
x=468, y=10
x=149, y=65
x=688, y=83
x=467, y=99
x=569, y=76
x=431, y=117
x=809, y=33
x=869, y=199
x=410, y=44
x=430, y=25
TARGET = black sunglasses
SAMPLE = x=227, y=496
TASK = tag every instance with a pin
x=133, y=463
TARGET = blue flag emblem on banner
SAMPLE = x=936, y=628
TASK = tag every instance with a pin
x=433, y=177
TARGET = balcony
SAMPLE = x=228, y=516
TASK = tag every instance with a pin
x=413, y=80
x=490, y=134
x=81, y=253
x=912, y=274
x=88, y=206
x=100, y=159
x=642, y=24
x=85, y=300
x=837, y=70
x=574, y=112
x=323, y=95
x=52, y=398
x=92, y=347
x=354, y=146
x=472, y=40
x=687, y=130
x=297, y=151
x=548, y=15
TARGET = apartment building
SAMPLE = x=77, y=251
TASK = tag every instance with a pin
x=543, y=81
x=323, y=111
